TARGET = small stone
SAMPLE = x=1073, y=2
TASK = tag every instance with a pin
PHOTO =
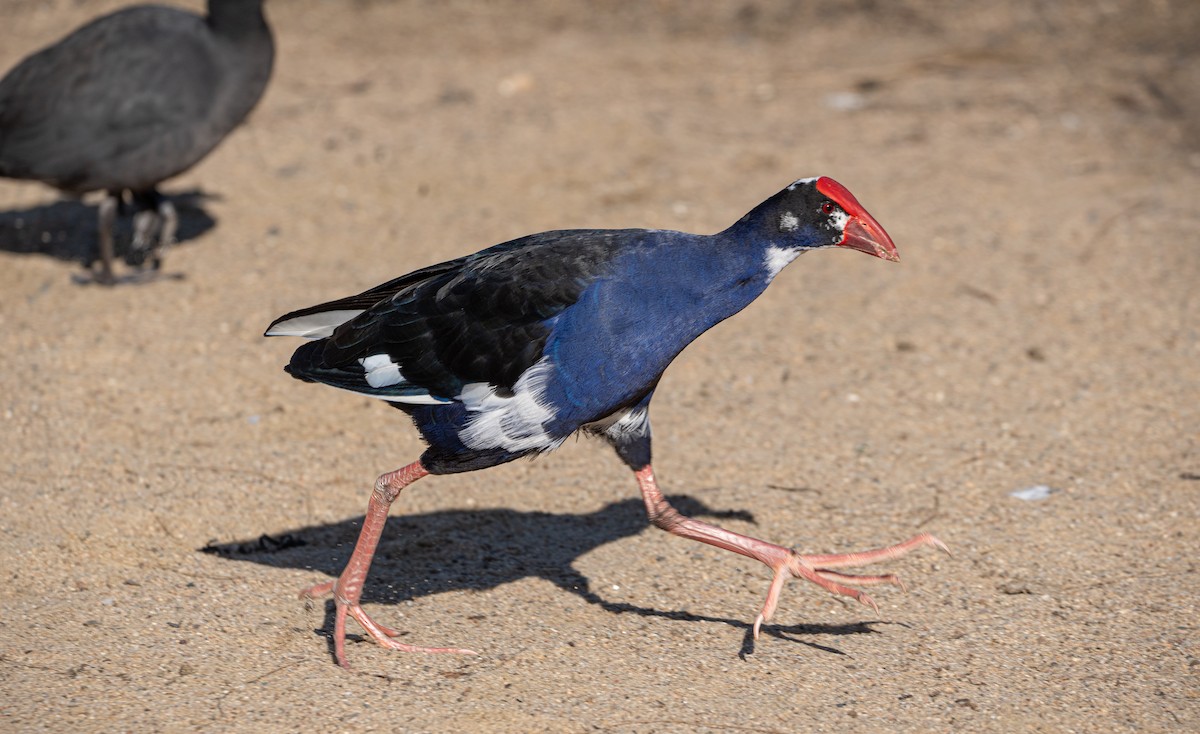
x=1034, y=493
x=845, y=101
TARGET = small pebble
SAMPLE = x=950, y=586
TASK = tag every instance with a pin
x=1034, y=493
x=845, y=101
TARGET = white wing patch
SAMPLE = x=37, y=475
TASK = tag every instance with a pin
x=778, y=258
x=381, y=371
x=313, y=325
x=513, y=422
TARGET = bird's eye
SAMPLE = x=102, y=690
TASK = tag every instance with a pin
x=827, y=208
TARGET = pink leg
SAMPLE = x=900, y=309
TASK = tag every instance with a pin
x=785, y=562
x=347, y=588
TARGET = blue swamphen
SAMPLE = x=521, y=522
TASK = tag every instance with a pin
x=507, y=352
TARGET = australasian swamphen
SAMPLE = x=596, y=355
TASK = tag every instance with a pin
x=507, y=352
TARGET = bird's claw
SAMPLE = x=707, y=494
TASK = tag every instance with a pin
x=317, y=591
x=103, y=276
x=820, y=570
x=378, y=632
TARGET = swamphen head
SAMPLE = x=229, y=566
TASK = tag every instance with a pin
x=813, y=213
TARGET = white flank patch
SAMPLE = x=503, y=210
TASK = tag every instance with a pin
x=788, y=222
x=630, y=423
x=801, y=182
x=313, y=325
x=381, y=371
x=778, y=258
x=513, y=423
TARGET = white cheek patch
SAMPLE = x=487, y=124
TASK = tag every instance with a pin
x=381, y=371
x=839, y=219
x=778, y=258
x=513, y=422
x=788, y=222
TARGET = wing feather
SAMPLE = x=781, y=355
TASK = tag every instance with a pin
x=484, y=318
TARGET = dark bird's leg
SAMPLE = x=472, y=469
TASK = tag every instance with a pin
x=347, y=588
x=154, y=227
x=166, y=236
x=106, y=217
x=785, y=562
x=145, y=222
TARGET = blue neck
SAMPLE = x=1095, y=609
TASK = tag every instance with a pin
x=663, y=292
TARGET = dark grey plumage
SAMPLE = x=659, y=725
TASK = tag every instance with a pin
x=131, y=99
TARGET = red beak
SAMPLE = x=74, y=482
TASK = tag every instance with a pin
x=862, y=232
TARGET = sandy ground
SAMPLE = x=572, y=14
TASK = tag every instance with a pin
x=1038, y=168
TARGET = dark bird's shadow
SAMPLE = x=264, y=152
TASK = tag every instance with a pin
x=453, y=550
x=67, y=229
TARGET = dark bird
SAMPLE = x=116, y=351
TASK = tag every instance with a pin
x=129, y=100
x=507, y=352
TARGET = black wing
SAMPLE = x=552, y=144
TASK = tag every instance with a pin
x=482, y=318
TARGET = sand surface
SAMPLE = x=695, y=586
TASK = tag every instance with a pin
x=1037, y=166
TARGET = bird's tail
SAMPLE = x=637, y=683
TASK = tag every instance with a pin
x=305, y=361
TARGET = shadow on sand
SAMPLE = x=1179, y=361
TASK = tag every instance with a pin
x=67, y=229
x=454, y=550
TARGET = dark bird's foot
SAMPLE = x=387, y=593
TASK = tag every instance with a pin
x=819, y=570
x=95, y=276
